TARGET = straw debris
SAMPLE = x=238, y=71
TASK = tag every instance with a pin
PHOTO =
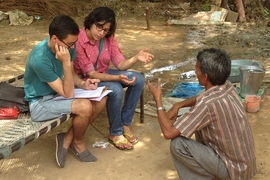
x=42, y=8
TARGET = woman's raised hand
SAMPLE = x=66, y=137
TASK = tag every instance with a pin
x=144, y=56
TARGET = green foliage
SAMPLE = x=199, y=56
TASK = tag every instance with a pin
x=266, y=13
x=206, y=6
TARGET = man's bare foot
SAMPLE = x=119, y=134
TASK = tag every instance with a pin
x=80, y=147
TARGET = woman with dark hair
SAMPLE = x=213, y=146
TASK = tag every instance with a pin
x=96, y=48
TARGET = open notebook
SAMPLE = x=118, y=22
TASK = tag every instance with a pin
x=93, y=95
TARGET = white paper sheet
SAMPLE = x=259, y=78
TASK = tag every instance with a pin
x=82, y=93
x=101, y=96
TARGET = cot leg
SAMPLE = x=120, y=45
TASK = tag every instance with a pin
x=142, y=105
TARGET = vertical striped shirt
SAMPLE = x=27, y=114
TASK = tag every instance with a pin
x=220, y=120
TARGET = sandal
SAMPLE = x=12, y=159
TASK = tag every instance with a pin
x=131, y=138
x=117, y=143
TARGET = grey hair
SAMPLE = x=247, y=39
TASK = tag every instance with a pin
x=216, y=63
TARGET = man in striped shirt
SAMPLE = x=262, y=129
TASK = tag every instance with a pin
x=224, y=146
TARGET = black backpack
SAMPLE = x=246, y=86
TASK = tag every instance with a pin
x=11, y=96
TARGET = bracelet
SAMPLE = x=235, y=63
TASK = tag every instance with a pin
x=161, y=109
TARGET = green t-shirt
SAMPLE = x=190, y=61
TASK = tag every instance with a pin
x=42, y=67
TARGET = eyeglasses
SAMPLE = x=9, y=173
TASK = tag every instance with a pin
x=100, y=28
x=69, y=45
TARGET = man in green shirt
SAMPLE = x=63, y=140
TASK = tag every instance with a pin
x=49, y=71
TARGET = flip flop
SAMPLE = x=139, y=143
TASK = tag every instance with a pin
x=130, y=138
x=117, y=143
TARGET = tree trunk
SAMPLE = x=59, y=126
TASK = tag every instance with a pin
x=267, y=4
x=224, y=4
x=241, y=10
x=259, y=4
x=216, y=2
x=192, y=2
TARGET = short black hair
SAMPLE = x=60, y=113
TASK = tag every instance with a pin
x=216, y=63
x=62, y=26
x=101, y=14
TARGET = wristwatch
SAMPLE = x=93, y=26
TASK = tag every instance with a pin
x=161, y=108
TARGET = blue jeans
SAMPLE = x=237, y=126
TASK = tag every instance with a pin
x=122, y=115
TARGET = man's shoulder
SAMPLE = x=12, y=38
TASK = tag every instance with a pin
x=40, y=51
x=40, y=48
x=42, y=43
x=217, y=94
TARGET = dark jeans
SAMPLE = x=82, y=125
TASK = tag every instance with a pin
x=122, y=115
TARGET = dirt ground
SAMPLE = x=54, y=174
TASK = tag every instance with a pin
x=175, y=48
